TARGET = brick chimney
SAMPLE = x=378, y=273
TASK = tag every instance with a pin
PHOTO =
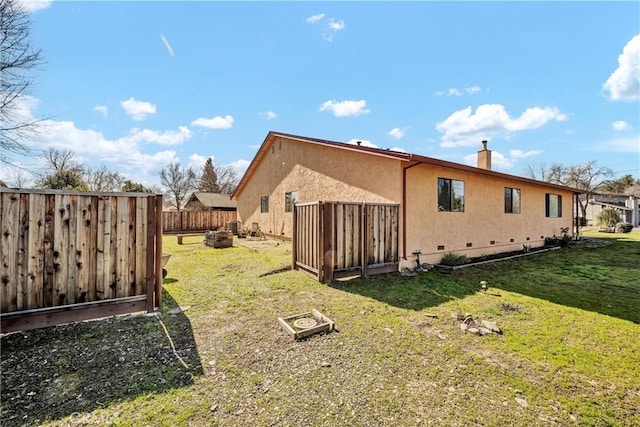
x=484, y=157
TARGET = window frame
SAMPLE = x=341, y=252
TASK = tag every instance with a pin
x=290, y=199
x=264, y=204
x=452, y=199
x=548, y=197
x=511, y=208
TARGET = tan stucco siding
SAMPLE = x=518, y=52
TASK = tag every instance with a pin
x=317, y=173
x=483, y=221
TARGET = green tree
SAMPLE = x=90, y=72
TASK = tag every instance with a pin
x=64, y=180
x=209, y=179
x=134, y=187
x=618, y=186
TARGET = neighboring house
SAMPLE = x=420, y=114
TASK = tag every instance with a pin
x=444, y=206
x=628, y=206
x=200, y=201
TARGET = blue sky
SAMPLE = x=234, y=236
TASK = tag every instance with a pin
x=137, y=85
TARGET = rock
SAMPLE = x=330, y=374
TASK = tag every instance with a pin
x=521, y=402
x=214, y=407
x=492, y=326
x=464, y=326
x=473, y=331
x=407, y=272
x=325, y=364
x=484, y=331
x=435, y=316
x=178, y=310
x=442, y=337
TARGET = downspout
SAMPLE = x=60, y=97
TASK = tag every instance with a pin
x=404, y=208
x=576, y=207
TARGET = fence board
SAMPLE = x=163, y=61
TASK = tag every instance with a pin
x=192, y=221
x=60, y=249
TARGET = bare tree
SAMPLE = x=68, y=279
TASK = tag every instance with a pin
x=63, y=172
x=227, y=179
x=102, y=179
x=18, y=59
x=178, y=183
x=588, y=177
x=62, y=160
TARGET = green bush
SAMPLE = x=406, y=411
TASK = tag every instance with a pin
x=608, y=218
x=582, y=221
x=624, y=227
x=452, y=259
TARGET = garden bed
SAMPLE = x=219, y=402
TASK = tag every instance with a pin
x=485, y=259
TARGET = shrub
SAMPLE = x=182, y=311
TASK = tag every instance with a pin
x=624, y=227
x=608, y=218
x=452, y=259
x=582, y=221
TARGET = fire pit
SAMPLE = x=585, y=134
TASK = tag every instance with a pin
x=305, y=324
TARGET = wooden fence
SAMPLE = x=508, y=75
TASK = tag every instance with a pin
x=337, y=239
x=67, y=256
x=194, y=221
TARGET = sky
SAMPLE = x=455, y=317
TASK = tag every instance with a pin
x=138, y=85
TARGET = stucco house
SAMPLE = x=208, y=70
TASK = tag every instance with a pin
x=202, y=201
x=628, y=206
x=443, y=206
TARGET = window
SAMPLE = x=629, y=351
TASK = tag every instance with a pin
x=290, y=199
x=264, y=204
x=450, y=195
x=553, y=205
x=511, y=200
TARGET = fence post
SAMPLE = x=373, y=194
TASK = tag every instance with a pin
x=326, y=232
x=294, y=240
x=158, y=235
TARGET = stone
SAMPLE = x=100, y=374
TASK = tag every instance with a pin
x=484, y=331
x=325, y=364
x=213, y=408
x=435, y=316
x=464, y=326
x=492, y=326
x=178, y=310
x=442, y=337
x=474, y=331
x=408, y=272
x=521, y=402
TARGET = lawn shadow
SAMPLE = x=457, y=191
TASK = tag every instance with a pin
x=598, y=279
x=71, y=370
x=427, y=289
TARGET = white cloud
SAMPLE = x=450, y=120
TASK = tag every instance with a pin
x=622, y=145
x=196, y=161
x=240, y=166
x=499, y=161
x=315, y=18
x=138, y=110
x=473, y=89
x=269, y=115
x=214, y=123
x=167, y=45
x=102, y=109
x=345, y=108
x=363, y=143
x=332, y=28
x=624, y=82
x=34, y=5
x=168, y=137
x=398, y=149
x=465, y=128
x=452, y=91
x=620, y=126
x=396, y=133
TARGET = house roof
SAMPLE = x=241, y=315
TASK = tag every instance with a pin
x=214, y=200
x=413, y=159
x=610, y=205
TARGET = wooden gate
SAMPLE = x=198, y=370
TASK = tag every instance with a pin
x=67, y=256
x=339, y=239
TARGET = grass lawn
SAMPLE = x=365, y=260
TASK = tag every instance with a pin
x=569, y=355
